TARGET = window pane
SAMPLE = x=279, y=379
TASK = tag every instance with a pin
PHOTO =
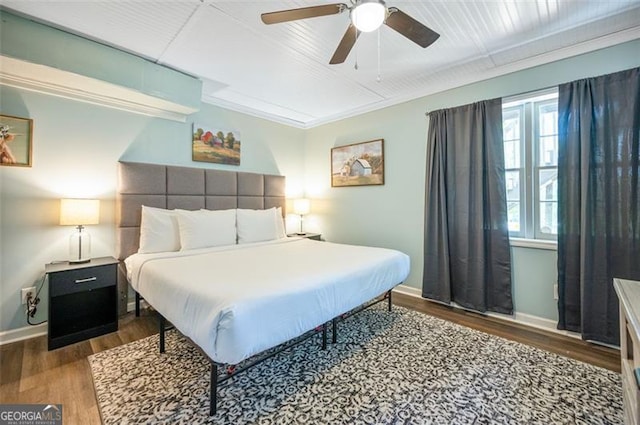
x=512, y=154
x=548, y=184
x=513, y=214
x=549, y=217
x=548, y=119
x=512, y=182
x=548, y=150
x=511, y=124
x=511, y=137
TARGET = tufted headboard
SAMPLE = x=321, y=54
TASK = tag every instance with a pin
x=166, y=186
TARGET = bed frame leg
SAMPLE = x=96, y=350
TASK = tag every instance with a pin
x=137, y=304
x=324, y=336
x=162, y=328
x=389, y=300
x=213, y=396
x=334, y=336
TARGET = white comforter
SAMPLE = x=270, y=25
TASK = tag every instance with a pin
x=237, y=301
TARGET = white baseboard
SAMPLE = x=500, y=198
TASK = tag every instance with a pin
x=408, y=290
x=535, y=322
x=521, y=318
x=15, y=335
x=131, y=306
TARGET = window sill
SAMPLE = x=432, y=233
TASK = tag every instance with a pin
x=534, y=243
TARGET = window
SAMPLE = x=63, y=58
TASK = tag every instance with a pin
x=530, y=135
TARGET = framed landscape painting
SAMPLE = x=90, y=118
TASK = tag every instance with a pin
x=217, y=145
x=15, y=141
x=359, y=164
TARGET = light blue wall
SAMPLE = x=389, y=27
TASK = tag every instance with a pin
x=267, y=147
x=534, y=274
x=392, y=215
x=33, y=42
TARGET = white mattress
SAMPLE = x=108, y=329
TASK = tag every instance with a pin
x=237, y=301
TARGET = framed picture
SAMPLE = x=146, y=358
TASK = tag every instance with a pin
x=359, y=164
x=15, y=141
x=217, y=145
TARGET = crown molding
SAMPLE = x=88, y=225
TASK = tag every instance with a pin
x=508, y=68
x=56, y=82
x=254, y=112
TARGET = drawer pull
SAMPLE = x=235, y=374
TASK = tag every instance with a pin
x=89, y=279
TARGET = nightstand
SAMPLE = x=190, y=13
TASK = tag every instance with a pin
x=312, y=236
x=83, y=300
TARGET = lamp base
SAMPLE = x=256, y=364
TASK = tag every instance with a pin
x=79, y=247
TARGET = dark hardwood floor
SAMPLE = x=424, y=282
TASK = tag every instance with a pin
x=587, y=352
x=31, y=374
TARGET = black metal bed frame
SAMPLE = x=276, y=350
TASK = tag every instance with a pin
x=232, y=370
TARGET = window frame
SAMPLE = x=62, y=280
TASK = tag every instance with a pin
x=521, y=170
x=536, y=168
x=528, y=104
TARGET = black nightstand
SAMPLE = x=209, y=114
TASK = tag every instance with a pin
x=83, y=300
x=313, y=236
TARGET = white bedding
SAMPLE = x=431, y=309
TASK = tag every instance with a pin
x=237, y=301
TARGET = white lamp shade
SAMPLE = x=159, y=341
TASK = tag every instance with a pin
x=76, y=212
x=301, y=206
x=368, y=15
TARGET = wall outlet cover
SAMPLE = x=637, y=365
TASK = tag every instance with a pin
x=25, y=292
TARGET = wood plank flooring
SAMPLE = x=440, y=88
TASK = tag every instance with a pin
x=587, y=352
x=31, y=374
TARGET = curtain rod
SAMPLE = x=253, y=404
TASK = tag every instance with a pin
x=514, y=97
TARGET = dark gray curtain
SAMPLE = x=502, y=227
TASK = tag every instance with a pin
x=598, y=200
x=467, y=258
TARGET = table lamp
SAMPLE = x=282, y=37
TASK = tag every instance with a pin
x=301, y=207
x=79, y=212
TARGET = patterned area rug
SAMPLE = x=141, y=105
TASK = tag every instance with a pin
x=399, y=367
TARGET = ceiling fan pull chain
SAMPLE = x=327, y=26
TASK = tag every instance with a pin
x=379, y=73
x=356, y=65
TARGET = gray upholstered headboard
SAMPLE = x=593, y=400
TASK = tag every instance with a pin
x=166, y=186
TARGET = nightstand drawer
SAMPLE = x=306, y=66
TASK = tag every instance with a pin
x=80, y=280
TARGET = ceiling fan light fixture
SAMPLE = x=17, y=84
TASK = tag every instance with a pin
x=368, y=15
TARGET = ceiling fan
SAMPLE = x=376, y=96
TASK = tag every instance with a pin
x=366, y=16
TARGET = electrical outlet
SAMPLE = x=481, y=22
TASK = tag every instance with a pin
x=555, y=291
x=26, y=292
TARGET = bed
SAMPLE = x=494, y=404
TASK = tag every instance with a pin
x=237, y=301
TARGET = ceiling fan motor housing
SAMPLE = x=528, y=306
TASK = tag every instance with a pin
x=368, y=15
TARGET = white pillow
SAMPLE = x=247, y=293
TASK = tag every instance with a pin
x=206, y=228
x=158, y=231
x=280, y=224
x=256, y=225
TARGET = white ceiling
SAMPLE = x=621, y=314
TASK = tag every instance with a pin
x=282, y=72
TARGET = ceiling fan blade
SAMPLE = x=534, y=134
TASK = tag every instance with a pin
x=345, y=46
x=302, y=13
x=410, y=28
